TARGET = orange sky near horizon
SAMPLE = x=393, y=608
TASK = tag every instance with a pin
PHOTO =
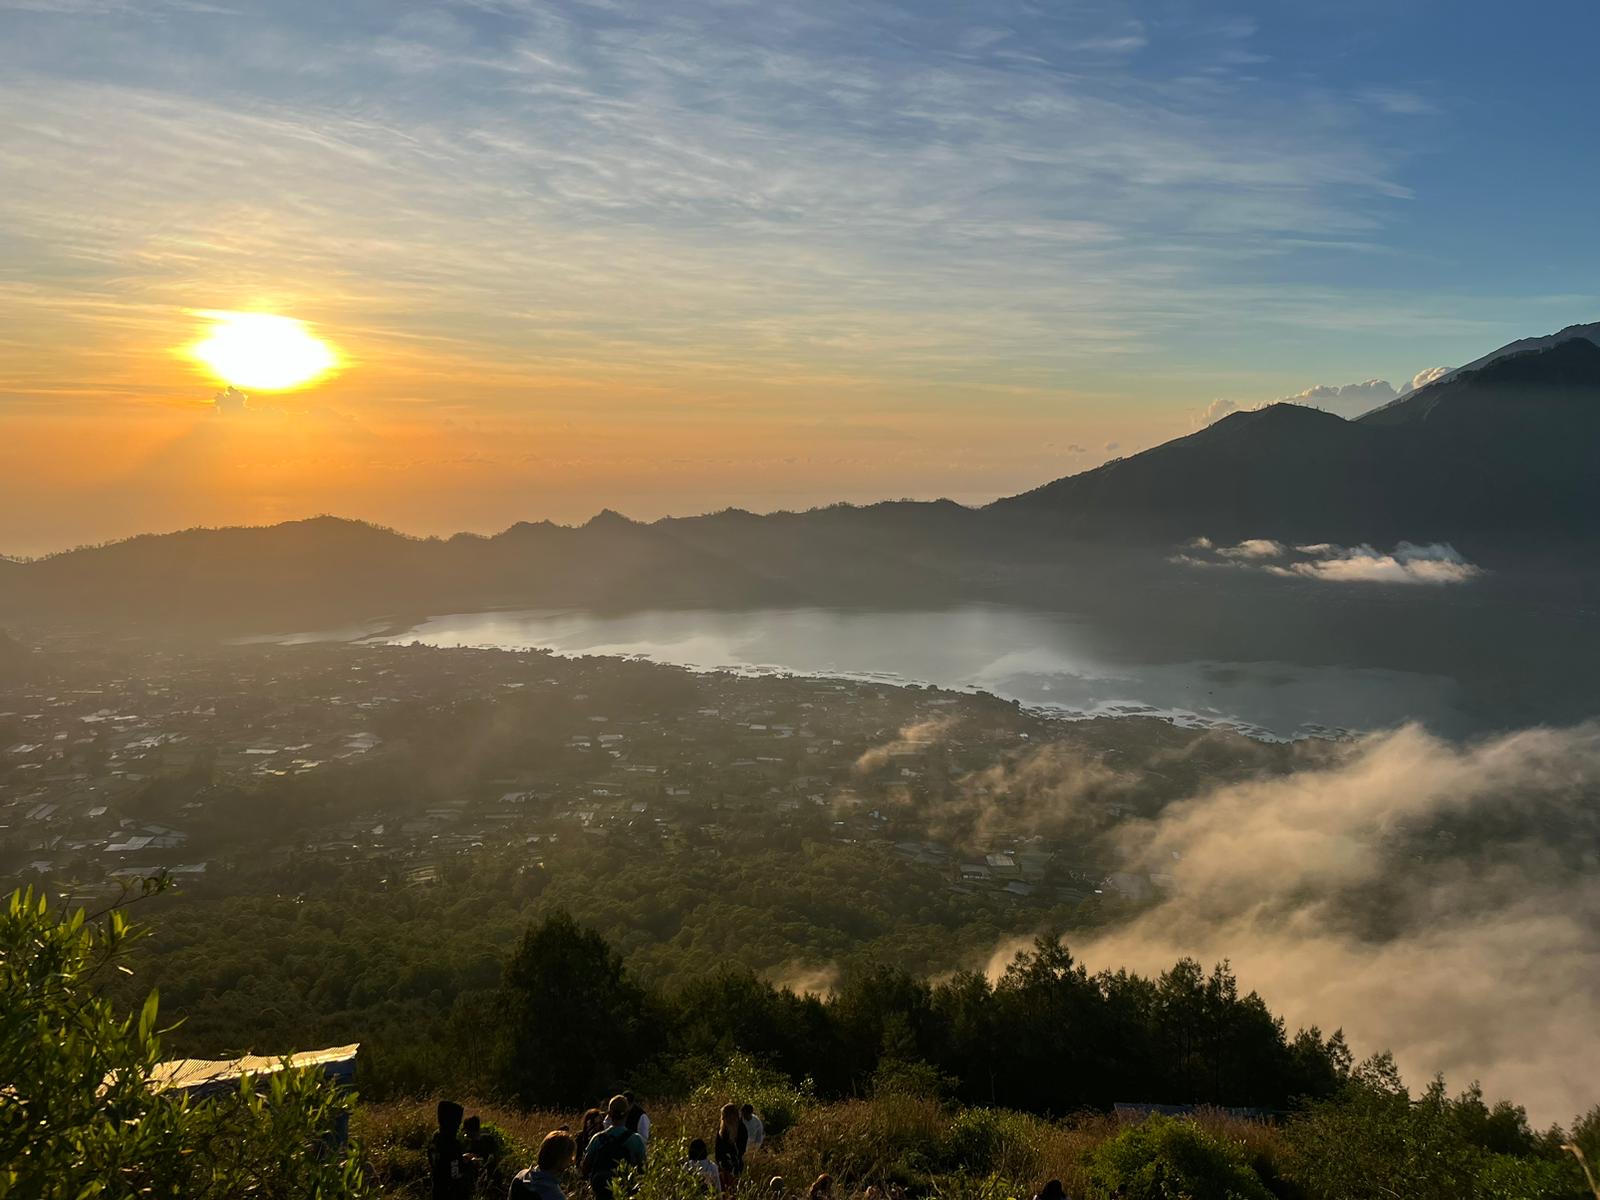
x=668, y=258
x=117, y=433
x=433, y=444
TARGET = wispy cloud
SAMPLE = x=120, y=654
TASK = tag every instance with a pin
x=696, y=186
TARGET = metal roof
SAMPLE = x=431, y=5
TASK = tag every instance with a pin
x=191, y=1074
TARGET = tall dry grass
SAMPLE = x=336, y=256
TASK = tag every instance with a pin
x=894, y=1143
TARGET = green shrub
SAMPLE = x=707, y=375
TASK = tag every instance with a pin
x=992, y=1141
x=921, y=1080
x=894, y=1139
x=1505, y=1177
x=1161, y=1157
x=80, y=1117
x=777, y=1100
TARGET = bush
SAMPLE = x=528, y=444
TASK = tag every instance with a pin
x=990, y=1141
x=1162, y=1157
x=777, y=1101
x=81, y=1118
x=920, y=1080
x=860, y=1142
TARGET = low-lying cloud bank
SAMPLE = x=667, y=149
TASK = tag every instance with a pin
x=1436, y=900
x=1349, y=400
x=1052, y=788
x=1435, y=563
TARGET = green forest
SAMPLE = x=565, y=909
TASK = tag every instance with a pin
x=964, y=1086
x=317, y=953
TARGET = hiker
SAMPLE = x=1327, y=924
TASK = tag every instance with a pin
x=730, y=1149
x=593, y=1122
x=447, y=1162
x=756, y=1131
x=637, y=1119
x=1051, y=1191
x=611, y=1148
x=542, y=1181
x=822, y=1189
x=482, y=1150
x=702, y=1166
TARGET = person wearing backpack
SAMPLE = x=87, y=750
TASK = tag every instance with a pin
x=611, y=1149
x=542, y=1181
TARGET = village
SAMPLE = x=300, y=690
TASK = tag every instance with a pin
x=210, y=763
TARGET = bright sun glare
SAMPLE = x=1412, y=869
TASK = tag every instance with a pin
x=262, y=351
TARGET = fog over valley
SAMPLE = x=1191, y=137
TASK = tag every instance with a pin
x=687, y=600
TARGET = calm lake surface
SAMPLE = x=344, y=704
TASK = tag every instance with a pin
x=1049, y=660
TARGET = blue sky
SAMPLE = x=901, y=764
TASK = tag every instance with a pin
x=1096, y=217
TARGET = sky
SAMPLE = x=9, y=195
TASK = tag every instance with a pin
x=672, y=256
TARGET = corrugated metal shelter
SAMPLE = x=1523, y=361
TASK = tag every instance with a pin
x=203, y=1076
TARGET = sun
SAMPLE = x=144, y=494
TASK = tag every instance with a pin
x=262, y=352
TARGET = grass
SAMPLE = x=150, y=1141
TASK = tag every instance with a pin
x=894, y=1144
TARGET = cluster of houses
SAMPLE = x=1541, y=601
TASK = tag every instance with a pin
x=84, y=747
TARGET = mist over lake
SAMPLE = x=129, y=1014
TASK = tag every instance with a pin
x=1046, y=659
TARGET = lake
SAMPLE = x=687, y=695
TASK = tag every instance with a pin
x=1042, y=659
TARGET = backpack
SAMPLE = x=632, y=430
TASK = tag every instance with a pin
x=605, y=1151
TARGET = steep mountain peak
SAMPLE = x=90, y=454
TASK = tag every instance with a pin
x=1506, y=388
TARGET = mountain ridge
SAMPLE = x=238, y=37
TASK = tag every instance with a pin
x=1501, y=461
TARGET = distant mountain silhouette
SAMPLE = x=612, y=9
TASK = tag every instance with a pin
x=1278, y=471
x=1505, y=458
x=328, y=569
x=1503, y=461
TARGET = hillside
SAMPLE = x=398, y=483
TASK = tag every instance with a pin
x=1284, y=471
x=925, y=1119
x=1590, y=332
x=1491, y=459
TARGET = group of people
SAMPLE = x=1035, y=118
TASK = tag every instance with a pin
x=462, y=1160
x=609, y=1143
x=460, y=1154
x=738, y=1132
